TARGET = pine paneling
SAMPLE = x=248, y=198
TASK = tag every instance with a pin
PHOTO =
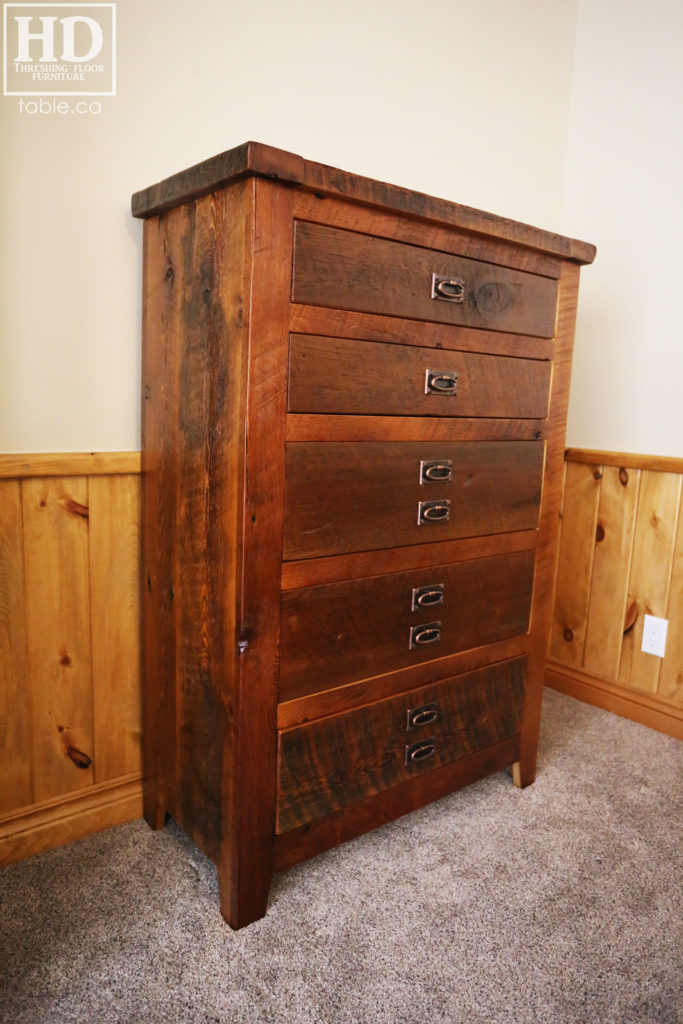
x=621, y=557
x=69, y=648
x=15, y=696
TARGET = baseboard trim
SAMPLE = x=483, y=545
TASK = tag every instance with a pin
x=40, y=827
x=639, y=707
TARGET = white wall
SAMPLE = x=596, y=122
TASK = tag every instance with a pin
x=623, y=192
x=465, y=99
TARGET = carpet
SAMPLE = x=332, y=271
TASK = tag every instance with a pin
x=559, y=903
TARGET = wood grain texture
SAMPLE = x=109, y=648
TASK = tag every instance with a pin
x=609, y=578
x=630, y=460
x=254, y=158
x=115, y=618
x=309, y=572
x=304, y=427
x=577, y=546
x=671, y=675
x=69, y=464
x=524, y=770
x=325, y=766
x=245, y=867
x=339, y=213
x=367, y=691
x=55, y=520
x=16, y=785
x=636, y=570
x=68, y=817
x=393, y=330
x=649, y=579
x=299, y=844
x=345, y=497
x=602, y=693
x=160, y=347
x=342, y=632
x=338, y=375
x=348, y=270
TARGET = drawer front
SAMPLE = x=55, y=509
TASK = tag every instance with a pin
x=328, y=765
x=333, y=375
x=340, y=632
x=347, y=270
x=360, y=496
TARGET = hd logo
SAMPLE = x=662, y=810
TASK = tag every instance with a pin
x=59, y=49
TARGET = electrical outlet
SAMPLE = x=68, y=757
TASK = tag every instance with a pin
x=654, y=635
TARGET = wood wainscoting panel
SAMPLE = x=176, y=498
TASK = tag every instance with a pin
x=15, y=694
x=621, y=558
x=55, y=511
x=69, y=647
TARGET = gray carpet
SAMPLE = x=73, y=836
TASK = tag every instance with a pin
x=557, y=904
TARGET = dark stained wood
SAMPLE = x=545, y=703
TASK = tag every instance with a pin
x=346, y=323
x=214, y=541
x=359, y=496
x=301, y=843
x=160, y=362
x=234, y=484
x=342, y=632
x=245, y=866
x=367, y=691
x=338, y=375
x=328, y=427
x=339, y=213
x=338, y=761
x=546, y=554
x=253, y=158
x=313, y=571
x=348, y=270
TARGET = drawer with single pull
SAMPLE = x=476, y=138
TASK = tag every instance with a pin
x=343, y=496
x=348, y=270
x=341, y=632
x=340, y=375
x=327, y=765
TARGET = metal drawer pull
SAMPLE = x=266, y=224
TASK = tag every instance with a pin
x=415, y=717
x=433, y=512
x=426, y=597
x=427, y=633
x=452, y=289
x=441, y=382
x=417, y=752
x=437, y=471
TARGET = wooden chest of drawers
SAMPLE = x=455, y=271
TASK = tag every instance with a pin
x=354, y=400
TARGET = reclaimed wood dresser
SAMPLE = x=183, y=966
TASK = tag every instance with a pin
x=354, y=401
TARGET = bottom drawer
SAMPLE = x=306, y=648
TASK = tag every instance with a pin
x=327, y=765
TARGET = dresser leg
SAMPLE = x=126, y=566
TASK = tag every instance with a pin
x=243, y=904
x=523, y=774
x=153, y=806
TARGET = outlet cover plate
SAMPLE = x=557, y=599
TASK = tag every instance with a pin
x=654, y=635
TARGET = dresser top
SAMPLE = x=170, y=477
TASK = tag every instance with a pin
x=253, y=159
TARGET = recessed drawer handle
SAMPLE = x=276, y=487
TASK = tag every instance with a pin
x=452, y=289
x=426, y=597
x=433, y=512
x=427, y=633
x=440, y=471
x=441, y=382
x=425, y=715
x=418, y=752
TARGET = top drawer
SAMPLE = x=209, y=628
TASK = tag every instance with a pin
x=346, y=270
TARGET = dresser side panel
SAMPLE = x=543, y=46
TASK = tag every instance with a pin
x=548, y=533
x=193, y=467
